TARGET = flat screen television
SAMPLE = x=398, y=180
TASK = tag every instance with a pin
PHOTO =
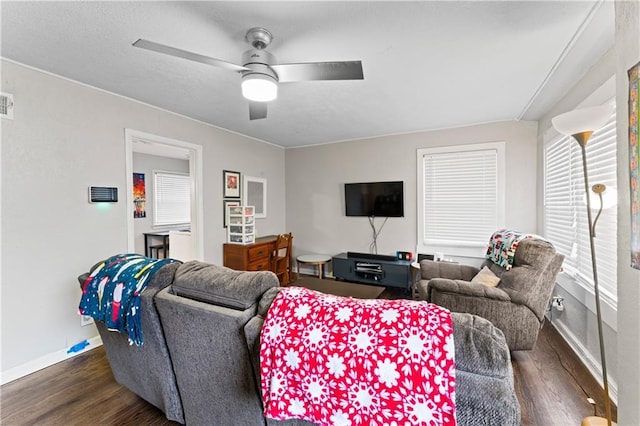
x=382, y=199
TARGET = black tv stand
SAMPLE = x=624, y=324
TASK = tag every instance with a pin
x=374, y=269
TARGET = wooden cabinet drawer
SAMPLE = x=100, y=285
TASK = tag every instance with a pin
x=249, y=257
x=262, y=265
x=258, y=253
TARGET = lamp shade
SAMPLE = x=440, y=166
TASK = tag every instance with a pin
x=259, y=87
x=609, y=198
x=582, y=120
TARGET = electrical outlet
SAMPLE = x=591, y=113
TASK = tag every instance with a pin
x=557, y=303
x=85, y=320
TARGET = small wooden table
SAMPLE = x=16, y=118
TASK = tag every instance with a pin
x=314, y=259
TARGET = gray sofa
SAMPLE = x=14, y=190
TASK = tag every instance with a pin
x=203, y=314
x=145, y=370
x=516, y=305
x=211, y=318
x=485, y=393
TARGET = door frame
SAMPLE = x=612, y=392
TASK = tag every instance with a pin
x=195, y=175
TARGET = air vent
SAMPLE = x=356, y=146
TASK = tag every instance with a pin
x=103, y=194
x=6, y=105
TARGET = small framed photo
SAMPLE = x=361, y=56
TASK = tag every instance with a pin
x=231, y=184
x=225, y=210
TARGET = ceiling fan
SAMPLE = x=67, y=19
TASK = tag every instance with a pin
x=260, y=72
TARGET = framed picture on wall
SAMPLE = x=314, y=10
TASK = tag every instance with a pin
x=634, y=162
x=139, y=196
x=225, y=210
x=231, y=184
x=255, y=194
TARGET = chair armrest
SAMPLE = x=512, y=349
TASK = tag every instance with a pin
x=453, y=271
x=466, y=288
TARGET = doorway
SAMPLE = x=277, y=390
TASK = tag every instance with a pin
x=146, y=143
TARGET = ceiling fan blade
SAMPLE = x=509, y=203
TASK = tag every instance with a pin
x=168, y=50
x=257, y=110
x=345, y=70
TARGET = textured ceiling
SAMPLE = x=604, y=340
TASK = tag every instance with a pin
x=427, y=65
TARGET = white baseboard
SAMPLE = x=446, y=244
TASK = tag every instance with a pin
x=593, y=365
x=45, y=361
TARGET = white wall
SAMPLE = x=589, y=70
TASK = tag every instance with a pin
x=146, y=163
x=316, y=177
x=65, y=137
x=623, y=346
x=627, y=51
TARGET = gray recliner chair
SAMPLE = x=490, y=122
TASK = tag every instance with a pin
x=516, y=305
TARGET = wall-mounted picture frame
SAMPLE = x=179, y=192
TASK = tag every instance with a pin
x=230, y=184
x=634, y=162
x=225, y=210
x=255, y=194
x=139, y=196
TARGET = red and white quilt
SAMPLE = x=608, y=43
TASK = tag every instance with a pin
x=340, y=361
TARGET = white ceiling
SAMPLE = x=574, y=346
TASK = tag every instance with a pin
x=427, y=64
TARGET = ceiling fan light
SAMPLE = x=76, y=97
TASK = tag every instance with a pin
x=259, y=87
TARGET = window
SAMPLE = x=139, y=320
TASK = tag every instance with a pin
x=565, y=215
x=460, y=197
x=172, y=198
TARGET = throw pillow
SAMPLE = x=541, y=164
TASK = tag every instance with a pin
x=486, y=277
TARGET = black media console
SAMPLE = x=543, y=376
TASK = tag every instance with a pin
x=375, y=269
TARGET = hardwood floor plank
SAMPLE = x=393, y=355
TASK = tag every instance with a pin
x=553, y=385
x=78, y=391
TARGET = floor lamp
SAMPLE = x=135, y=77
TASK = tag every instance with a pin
x=581, y=124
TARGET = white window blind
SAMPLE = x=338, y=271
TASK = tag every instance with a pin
x=172, y=198
x=565, y=214
x=460, y=198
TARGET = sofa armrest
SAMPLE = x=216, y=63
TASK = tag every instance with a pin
x=266, y=300
x=480, y=346
x=161, y=279
x=453, y=271
x=484, y=376
x=464, y=288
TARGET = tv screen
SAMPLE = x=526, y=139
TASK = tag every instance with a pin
x=382, y=199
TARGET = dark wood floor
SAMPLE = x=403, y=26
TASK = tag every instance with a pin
x=78, y=391
x=551, y=383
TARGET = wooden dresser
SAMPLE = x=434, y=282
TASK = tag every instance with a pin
x=250, y=257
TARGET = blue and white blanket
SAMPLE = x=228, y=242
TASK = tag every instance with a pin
x=111, y=293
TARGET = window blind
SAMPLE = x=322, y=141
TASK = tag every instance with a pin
x=565, y=214
x=460, y=196
x=172, y=200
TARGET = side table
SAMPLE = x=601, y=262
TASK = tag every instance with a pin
x=313, y=259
